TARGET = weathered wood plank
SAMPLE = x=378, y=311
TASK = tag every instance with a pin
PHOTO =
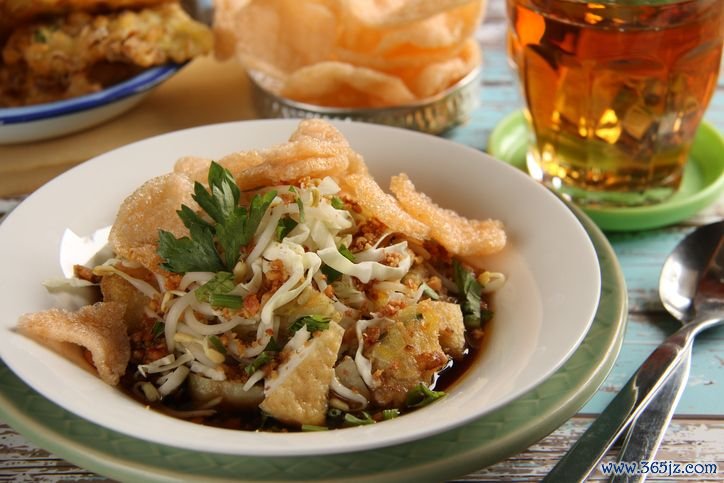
x=703, y=395
x=687, y=441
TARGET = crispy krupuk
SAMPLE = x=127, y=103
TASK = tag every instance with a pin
x=98, y=328
x=357, y=54
x=317, y=149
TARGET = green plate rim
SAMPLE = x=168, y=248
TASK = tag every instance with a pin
x=483, y=442
x=507, y=143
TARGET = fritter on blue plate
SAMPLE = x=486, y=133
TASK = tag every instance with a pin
x=57, y=57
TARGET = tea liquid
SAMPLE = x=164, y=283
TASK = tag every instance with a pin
x=614, y=93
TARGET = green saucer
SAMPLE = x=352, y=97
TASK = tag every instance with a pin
x=702, y=185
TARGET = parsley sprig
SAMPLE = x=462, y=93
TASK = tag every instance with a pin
x=215, y=246
x=284, y=227
x=469, y=296
x=223, y=282
x=421, y=395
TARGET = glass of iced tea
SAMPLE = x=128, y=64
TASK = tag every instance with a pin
x=615, y=91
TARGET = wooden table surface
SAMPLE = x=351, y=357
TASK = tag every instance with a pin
x=207, y=92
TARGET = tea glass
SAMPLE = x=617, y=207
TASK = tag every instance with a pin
x=615, y=91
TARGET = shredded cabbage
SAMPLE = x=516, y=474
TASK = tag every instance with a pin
x=348, y=393
x=141, y=285
x=364, y=366
x=253, y=379
x=176, y=309
x=165, y=364
x=368, y=267
x=207, y=329
x=190, y=278
x=296, y=261
x=173, y=380
x=213, y=374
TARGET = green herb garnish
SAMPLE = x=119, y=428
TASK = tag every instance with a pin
x=284, y=227
x=355, y=421
x=226, y=300
x=426, y=290
x=313, y=427
x=486, y=315
x=300, y=204
x=215, y=292
x=390, y=414
x=213, y=247
x=195, y=254
x=216, y=344
x=158, y=328
x=332, y=274
x=314, y=323
x=261, y=360
x=223, y=282
x=469, y=295
x=39, y=36
x=335, y=413
x=346, y=253
x=266, y=356
x=337, y=203
x=421, y=395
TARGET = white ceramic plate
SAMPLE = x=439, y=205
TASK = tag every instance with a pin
x=542, y=313
x=45, y=121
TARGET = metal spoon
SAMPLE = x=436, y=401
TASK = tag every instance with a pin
x=680, y=276
x=695, y=267
x=647, y=431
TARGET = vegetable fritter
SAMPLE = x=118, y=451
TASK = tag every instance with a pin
x=81, y=52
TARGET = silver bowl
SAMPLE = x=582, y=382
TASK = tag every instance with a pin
x=433, y=115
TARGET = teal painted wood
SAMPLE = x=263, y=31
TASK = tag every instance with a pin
x=641, y=255
x=704, y=391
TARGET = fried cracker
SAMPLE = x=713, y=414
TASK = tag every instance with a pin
x=459, y=235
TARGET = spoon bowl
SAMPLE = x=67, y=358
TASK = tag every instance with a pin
x=684, y=268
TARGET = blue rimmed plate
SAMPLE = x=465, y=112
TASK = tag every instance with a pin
x=44, y=121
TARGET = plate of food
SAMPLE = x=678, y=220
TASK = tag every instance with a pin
x=269, y=299
x=66, y=66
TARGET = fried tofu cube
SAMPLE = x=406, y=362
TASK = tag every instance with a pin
x=406, y=353
x=298, y=393
x=451, y=328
